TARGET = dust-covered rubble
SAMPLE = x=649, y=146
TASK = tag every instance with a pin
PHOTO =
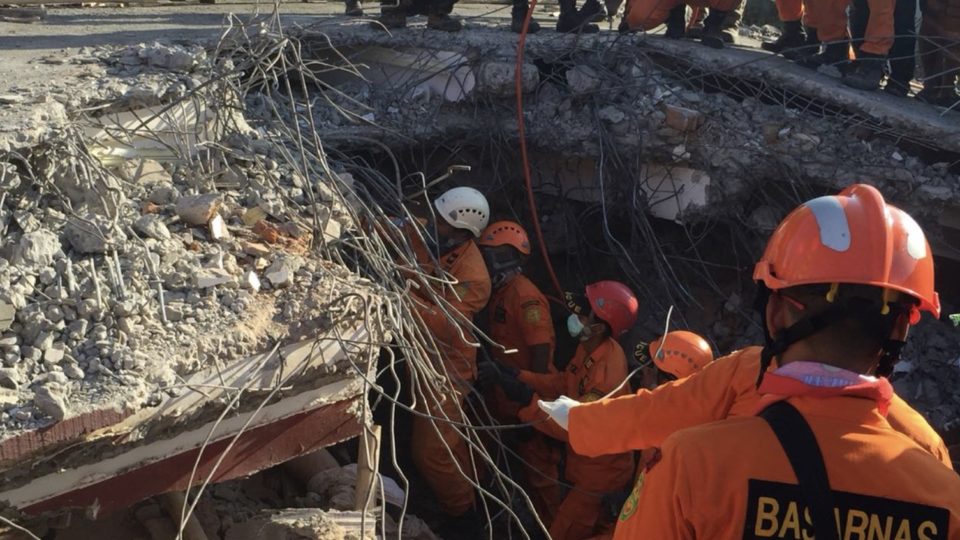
x=117, y=279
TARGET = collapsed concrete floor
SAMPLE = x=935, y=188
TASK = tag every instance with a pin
x=191, y=209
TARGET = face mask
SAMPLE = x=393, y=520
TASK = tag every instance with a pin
x=574, y=326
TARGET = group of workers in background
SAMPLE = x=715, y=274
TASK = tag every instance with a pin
x=801, y=437
x=872, y=42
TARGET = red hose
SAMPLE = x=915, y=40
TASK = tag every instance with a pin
x=518, y=83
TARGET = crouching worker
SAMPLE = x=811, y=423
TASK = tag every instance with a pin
x=519, y=321
x=598, y=368
x=648, y=14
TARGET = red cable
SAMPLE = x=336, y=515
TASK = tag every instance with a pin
x=518, y=83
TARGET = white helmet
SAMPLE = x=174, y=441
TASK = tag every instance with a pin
x=464, y=208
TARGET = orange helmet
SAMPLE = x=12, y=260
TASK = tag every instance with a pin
x=681, y=353
x=615, y=304
x=854, y=237
x=507, y=233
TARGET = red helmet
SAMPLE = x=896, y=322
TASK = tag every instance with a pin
x=613, y=303
x=507, y=233
x=681, y=353
x=854, y=237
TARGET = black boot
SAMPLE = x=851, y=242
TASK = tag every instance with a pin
x=793, y=36
x=677, y=22
x=833, y=54
x=593, y=11
x=810, y=47
x=353, y=8
x=867, y=72
x=517, y=16
x=573, y=23
x=713, y=29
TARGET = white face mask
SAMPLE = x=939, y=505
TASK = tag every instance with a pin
x=574, y=326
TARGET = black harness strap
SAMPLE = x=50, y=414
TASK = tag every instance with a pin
x=802, y=450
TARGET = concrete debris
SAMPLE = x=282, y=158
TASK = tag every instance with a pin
x=93, y=234
x=582, y=80
x=499, y=78
x=152, y=226
x=282, y=271
x=218, y=228
x=7, y=315
x=213, y=277
x=37, y=248
x=49, y=400
x=198, y=209
x=305, y=523
x=682, y=119
x=250, y=281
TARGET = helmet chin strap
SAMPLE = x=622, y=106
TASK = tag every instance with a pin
x=840, y=310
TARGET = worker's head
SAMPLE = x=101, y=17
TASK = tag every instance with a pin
x=610, y=310
x=843, y=277
x=679, y=354
x=463, y=212
x=505, y=247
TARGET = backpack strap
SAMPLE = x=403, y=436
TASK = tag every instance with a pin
x=805, y=457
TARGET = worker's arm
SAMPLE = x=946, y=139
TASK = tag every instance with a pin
x=664, y=500
x=541, y=357
x=547, y=385
x=647, y=418
x=532, y=414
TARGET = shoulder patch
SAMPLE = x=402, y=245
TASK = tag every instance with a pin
x=532, y=314
x=529, y=304
x=776, y=510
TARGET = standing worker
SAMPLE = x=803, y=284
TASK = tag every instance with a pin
x=648, y=14
x=843, y=278
x=519, y=321
x=598, y=368
x=440, y=453
x=394, y=13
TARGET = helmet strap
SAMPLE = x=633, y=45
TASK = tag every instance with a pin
x=842, y=309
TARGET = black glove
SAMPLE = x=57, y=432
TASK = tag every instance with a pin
x=515, y=390
x=490, y=374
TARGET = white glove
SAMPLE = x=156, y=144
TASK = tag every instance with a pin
x=559, y=410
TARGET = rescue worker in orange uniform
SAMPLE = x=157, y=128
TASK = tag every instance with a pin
x=462, y=289
x=799, y=36
x=519, y=321
x=648, y=14
x=842, y=279
x=598, y=368
x=676, y=355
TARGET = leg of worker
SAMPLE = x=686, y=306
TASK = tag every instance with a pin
x=578, y=515
x=731, y=23
x=438, y=449
x=859, y=15
x=518, y=14
x=793, y=35
x=393, y=13
x=829, y=17
x=903, y=55
x=438, y=16
x=878, y=37
x=542, y=474
x=648, y=14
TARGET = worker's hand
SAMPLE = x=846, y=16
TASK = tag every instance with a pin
x=515, y=390
x=488, y=375
x=559, y=410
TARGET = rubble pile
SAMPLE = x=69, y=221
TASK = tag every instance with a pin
x=116, y=281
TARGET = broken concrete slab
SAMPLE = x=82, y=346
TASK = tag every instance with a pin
x=198, y=209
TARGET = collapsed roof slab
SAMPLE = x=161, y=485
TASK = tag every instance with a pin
x=230, y=422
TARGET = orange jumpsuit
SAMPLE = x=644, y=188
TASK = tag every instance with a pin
x=732, y=479
x=648, y=14
x=588, y=377
x=519, y=318
x=438, y=447
x=723, y=389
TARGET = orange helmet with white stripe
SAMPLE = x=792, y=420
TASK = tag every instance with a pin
x=680, y=353
x=853, y=237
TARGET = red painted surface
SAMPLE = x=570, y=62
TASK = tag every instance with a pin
x=22, y=446
x=256, y=450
